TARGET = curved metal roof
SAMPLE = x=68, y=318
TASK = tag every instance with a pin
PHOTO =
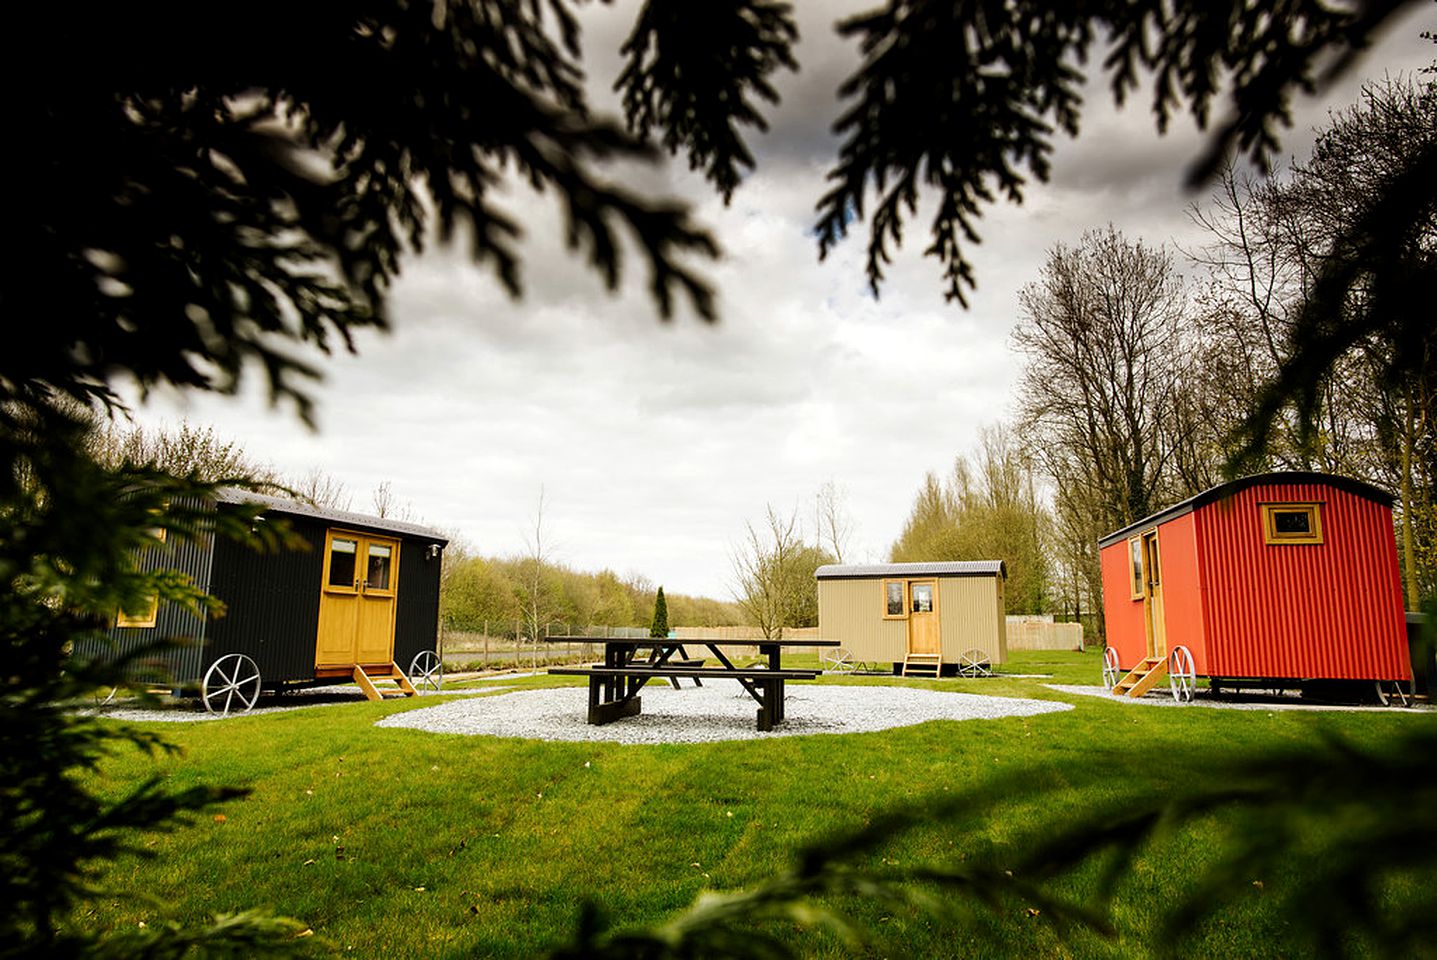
x=1346, y=484
x=941, y=568
x=346, y=517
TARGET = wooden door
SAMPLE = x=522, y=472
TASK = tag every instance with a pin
x=923, y=633
x=1153, y=596
x=375, y=642
x=357, y=600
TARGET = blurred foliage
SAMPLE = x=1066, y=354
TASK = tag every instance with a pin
x=964, y=99
x=1352, y=829
x=70, y=529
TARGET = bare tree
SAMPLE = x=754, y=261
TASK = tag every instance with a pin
x=833, y=522
x=535, y=598
x=322, y=490
x=386, y=504
x=773, y=573
x=1103, y=332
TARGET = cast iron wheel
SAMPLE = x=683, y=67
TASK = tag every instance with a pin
x=426, y=670
x=974, y=663
x=231, y=684
x=1182, y=677
x=1391, y=693
x=1112, y=673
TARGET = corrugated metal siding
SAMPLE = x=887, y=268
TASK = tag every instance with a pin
x=1183, y=616
x=1330, y=610
x=851, y=612
x=273, y=604
x=970, y=613
x=171, y=622
x=970, y=616
x=416, y=618
x=1122, y=616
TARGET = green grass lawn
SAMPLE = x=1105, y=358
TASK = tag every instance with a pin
x=397, y=843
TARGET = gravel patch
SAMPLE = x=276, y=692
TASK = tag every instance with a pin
x=716, y=712
x=192, y=711
x=1164, y=698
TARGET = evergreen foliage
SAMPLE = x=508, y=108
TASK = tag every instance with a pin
x=660, y=627
x=222, y=185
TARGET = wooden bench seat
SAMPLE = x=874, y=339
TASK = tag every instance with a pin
x=669, y=670
x=614, y=691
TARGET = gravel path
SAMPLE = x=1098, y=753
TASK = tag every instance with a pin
x=1164, y=698
x=718, y=711
x=192, y=711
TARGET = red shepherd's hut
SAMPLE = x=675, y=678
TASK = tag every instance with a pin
x=1286, y=577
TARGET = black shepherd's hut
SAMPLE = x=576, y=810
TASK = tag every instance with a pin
x=360, y=600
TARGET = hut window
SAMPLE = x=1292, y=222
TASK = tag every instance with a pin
x=895, y=601
x=341, y=562
x=1135, y=568
x=1292, y=522
x=377, y=574
x=144, y=618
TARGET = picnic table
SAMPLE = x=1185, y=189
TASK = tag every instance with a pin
x=631, y=662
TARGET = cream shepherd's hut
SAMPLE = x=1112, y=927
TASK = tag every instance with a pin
x=923, y=618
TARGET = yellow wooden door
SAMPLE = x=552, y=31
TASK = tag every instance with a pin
x=923, y=634
x=380, y=574
x=357, y=600
x=1153, y=596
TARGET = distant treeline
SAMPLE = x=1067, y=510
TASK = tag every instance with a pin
x=494, y=594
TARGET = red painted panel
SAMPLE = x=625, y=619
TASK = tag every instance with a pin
x=1182, y=596
x=1123, y=617
x=1330, y=610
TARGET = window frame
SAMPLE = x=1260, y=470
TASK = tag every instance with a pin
x=933, y=610
x=1137, y=576
x=903, y=606
x=1270, y=534
x=146, y=621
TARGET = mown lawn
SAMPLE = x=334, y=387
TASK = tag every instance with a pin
x=397, y=843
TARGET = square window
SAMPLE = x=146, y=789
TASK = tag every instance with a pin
x=144, y=618
x=1292, y=522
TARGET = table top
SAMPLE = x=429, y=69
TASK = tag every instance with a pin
x=680, y=641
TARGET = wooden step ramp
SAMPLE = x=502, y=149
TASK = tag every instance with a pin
x=1142, y=678
x=368, y=677
x=922, y=665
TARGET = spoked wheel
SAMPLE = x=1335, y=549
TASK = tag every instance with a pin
x=1112, y=673
x=426, y=670
x=838, y=660
x=231, y=685
x=1182, y=676
x=975, y=663
x=1393, y=693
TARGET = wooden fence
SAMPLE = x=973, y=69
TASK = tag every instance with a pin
x=1041, y=633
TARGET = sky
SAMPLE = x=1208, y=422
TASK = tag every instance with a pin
x=654, y=443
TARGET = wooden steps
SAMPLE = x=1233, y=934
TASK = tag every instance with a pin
x=366, y=677
x=1142, y=677
x=922, y=665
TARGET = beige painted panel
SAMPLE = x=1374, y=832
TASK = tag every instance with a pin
x=851, y=612
x=973, y=618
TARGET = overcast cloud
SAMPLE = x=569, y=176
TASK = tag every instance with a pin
x=653, y=442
